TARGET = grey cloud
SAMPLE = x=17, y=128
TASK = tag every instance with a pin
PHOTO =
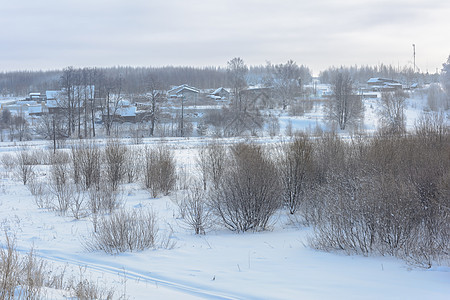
x=50, y=33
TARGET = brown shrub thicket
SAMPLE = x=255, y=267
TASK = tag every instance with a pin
x=124, y=230
x=386, y=194
x=159, y=170
x=249, y=192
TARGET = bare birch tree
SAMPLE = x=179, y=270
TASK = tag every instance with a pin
x=344, y=107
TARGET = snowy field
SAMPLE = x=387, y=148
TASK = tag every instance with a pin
x=275, y=264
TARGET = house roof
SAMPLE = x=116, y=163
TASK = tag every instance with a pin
x=35, y=109
x=378, y=80
x=51, y=94
x=184, y=87
x=52, y=103
x=219, y=90
x=126, y=111
x=123, y=103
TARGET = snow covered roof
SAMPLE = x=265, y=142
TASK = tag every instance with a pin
x=219, y=90
x=126, y=111
x=378, y=80
x=123, y=103
x=184, y=87
x=52, y=103
x=51, y=94
x=35, y=109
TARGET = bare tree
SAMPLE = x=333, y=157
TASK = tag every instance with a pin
x=156, y=97
x=436, y=97
x=286, y=81
x=243, y=114
x=445, y=79
x=345, y=107
x=237, y=71
x=393, y=105
x=113, y=93
x=68, y=102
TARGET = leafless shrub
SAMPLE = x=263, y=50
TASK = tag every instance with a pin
x=8, y=162
x=195, y=209
x=249, y=192
x=184, y=177
x=62, y=196
x=330, y=155
x=390, y=197
x=24, y=277
x=289, y=130
x=211, y=161
x=393, y=104
x=20, y=277
x=86, y=160
x=123, y=231
x=59, y=185
x=40, y=157
x=133, y=165
x=298, y=108
x=9, y=267
x=273, y=126
x=103, y=198
x=115, y=159
x=40, y=192
x=24, y=168
x=159, y=172
x=432, y=126
x=295, y=162
x=77, y=204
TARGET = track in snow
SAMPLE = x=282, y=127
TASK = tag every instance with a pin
x=137, y=276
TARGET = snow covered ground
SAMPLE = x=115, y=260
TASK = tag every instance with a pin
x=275, y=264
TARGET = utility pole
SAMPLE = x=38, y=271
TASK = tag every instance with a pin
x=414, y=56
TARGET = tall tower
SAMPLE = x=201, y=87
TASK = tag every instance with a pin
x=414, y=56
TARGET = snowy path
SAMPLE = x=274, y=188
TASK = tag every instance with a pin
x=132, y=274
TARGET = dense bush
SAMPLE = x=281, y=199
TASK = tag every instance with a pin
x=386, y=195
x=159, y=171
x=115, y=159
x=249, y=192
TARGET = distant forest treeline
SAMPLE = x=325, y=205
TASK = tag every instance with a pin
x=135, y=79
x=360, y=74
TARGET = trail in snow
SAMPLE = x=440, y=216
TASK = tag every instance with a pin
x=137, y=275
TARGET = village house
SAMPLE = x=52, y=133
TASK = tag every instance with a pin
x=383, y=85
x=188, y=93
x=220, y=94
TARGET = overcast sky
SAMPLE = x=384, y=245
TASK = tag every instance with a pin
x=49, y=34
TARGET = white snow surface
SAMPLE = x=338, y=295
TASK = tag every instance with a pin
x=275, y=264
